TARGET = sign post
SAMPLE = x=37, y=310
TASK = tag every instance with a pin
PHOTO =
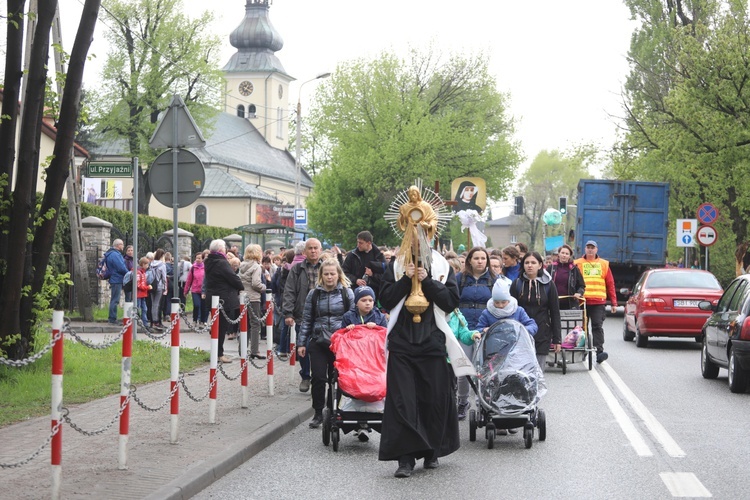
x=707, y=214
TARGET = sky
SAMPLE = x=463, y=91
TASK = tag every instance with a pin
x=563, y=63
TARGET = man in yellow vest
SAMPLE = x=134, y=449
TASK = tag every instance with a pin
x=599, y=285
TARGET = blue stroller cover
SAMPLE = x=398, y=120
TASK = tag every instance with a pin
x=509, y=379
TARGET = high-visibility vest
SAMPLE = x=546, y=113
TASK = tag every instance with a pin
x=593, y=272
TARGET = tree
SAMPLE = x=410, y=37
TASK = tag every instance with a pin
x=156, y=51
x=382, y=123
x=687, y=106
x=550, y=176
x=25, y=284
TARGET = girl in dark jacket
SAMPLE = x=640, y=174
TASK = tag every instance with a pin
x=325, y=307
x=567, y=278
x=537, y=294
x=475, y=286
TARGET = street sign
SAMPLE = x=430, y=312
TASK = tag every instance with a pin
x=707, y=236
x=109, y=169
x=707, y=213
x=190, y=181
x=187, y=133
x=685, y=232
x=300, y=216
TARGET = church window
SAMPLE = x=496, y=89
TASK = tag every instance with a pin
x=241, y=111
x=200, y=214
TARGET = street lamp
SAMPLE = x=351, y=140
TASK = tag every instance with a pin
x=298, y=179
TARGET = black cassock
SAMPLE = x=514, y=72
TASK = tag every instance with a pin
x=420, y=416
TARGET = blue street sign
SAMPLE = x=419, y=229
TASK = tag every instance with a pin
x=707, y=214
x=687, y=239
x=300, y=216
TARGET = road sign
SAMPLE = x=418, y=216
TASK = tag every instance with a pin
x=707, y=213
x=685, y=232
x=190, y=181
x=109, y=169
x=707, y=235
x=187, y=133
x=300, y=216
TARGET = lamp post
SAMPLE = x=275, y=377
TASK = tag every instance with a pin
x=298, y=179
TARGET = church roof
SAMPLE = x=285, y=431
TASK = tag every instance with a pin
x=235, y=142
x=222, y=184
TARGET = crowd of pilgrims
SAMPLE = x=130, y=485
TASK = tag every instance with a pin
x=319, y=291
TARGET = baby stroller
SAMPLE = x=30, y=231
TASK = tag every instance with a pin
x=576, y=343
x=509, y=383
x=358, y=382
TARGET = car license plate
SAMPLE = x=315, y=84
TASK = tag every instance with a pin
x=686, y=303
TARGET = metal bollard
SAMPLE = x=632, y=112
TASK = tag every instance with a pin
x=127, y=353
x=214, y=360
x=243, y=349
x=57, y=398
x=175, y=371
x=269, y=342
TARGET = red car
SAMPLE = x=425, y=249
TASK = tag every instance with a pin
x=664, y=303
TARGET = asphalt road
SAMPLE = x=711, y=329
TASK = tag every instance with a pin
x=644, y=424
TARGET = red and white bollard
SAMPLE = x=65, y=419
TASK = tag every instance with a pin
x=243, y=348
x=57, y=397
x=175, y=371
x=293, y=350
x=269, y=341
x=127, y=353
x=214, y=360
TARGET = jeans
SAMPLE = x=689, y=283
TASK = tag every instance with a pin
x=115, y=290
x=596, y=315
x=321, y=359
x=304, y=363
x=197, y=308
x=283, y=346
x=156, y=295
x=463, y=383
x=254, y=315
x=144, y=310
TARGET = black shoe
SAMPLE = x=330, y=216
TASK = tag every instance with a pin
x=431, y=463
x=257, y=356
x=158, y=327
x=601, y=357
x=405, y=467
x=316, y=421
x=363, y=437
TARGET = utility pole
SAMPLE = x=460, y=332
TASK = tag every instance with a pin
x=80, y=263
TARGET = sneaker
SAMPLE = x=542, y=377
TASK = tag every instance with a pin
x=283, y=357
x=158, y=327
x=463, y=410
x=316, y=420
x=405, y=467
x=601, y=357
x=431, y=463
x=225, y=359
x=304, y=386
x=512, y=431
x=502, y=432
x=363, y=437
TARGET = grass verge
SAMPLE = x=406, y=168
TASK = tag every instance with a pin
x=88, y=374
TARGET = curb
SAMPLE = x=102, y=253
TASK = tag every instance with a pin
x=199, y=477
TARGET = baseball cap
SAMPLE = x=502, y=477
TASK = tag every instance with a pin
x=592, y=242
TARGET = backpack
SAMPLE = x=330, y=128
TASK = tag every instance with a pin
x=102, y=272
x=152, y=278
x=462, y=283
x=127, y=282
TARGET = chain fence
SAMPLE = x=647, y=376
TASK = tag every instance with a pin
x=27, y=361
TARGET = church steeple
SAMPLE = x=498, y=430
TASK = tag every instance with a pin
x=256, y=40
x=257, y=86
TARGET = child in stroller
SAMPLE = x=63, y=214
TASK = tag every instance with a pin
x=509, y=383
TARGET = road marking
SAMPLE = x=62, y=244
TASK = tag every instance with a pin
x=653, y=425
x=627, y=426
x=684, y=484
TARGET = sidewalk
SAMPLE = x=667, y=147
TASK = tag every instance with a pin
x=156, y=469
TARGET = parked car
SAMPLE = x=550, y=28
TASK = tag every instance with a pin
x=664, y=303
x=726, y=335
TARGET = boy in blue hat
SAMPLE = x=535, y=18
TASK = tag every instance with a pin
x=365, y=312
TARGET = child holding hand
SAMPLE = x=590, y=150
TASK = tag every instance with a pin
x=503, y=305
x=143, y=289
x=364, y=312
x=460, y=327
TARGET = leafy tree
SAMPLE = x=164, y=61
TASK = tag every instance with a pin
x=550, y=176
x=687, y=105
x=382, y=123
x=156, y=51
x=26, y=284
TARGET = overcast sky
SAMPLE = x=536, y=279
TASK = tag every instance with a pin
x=562, y=62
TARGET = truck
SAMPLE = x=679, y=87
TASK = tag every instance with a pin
x=629, y=222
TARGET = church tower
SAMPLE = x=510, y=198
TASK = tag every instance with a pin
x=257, y=86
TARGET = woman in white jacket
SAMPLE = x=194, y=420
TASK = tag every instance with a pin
x=250, y=274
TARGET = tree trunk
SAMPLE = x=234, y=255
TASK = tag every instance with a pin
x=11, y=96
x=59, y=168
x=24, y=196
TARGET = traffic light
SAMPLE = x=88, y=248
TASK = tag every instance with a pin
x=518, y=208
x=563, y=205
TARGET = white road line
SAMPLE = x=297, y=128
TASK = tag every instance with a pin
x=684, y=484
x=635, y=438
x=653, y=425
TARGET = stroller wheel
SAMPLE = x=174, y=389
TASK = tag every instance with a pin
x=472, y=425
x=335, y=439
x=528, y=436
x=541, y=423
x=490, y=438
x=326, y=426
